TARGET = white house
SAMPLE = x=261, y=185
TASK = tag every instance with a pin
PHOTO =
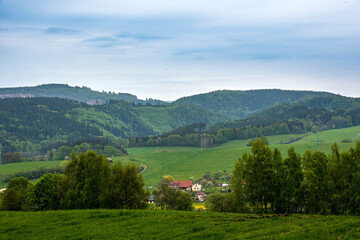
x=200, y=196
x=196, y=187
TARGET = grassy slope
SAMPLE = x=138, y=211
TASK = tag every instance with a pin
x=186, y=162
x=152, y=224
x=10, y=168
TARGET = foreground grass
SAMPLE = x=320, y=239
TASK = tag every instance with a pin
x=157, y=224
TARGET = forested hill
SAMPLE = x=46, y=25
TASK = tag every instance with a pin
x=312, y=114
x=81, y=94
x=324, y=112
x=244, y=103
x=27, y=124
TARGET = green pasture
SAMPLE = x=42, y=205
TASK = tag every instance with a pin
x=158, y=224
x=186, y=162
x=10, y=168
x=335, y=135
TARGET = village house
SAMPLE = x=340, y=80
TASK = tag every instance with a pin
x=200, y=196
x=196, y=187
x=182, y=185
x=152, y=199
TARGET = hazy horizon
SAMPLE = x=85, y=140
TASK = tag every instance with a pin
x=167, y=50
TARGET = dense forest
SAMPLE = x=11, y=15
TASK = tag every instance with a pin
x=312, y=114
x=245, y=103
x=32, y=124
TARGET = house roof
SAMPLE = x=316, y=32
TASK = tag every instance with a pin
x=200, y=193
x=182, y=184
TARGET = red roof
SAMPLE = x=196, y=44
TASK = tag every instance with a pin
x=182, y=184
x=200, y=193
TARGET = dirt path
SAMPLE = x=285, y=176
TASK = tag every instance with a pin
x=145, y=167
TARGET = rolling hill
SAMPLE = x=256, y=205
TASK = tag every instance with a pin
x=81, y=94
x=27, y=124
x=245, y=103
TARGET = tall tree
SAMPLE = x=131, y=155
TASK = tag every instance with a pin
x=86, y=182
x=313, y=186
x=256, y=173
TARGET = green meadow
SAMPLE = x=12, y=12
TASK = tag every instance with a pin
x=185, y=162
x=158, y=224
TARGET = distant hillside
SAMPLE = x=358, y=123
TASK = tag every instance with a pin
x=28, y=124
x=324, y=112
x=81, y=94
x=244, y=103
x=311, y=114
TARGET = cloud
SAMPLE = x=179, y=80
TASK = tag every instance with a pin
x=101, y=39
x=169, y=40
x=57, y=30
x=140, y=37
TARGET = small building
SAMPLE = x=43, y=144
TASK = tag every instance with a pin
x=225, y=185
x=196, y=187
x=110, y=160
x=219, y=184
x=2, y=190
x=182, y=185
x=200, y=196
x=151, y=199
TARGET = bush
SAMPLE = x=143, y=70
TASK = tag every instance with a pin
x=220, y=202
x=46, y=194
x=252, y=140
x=16, y=195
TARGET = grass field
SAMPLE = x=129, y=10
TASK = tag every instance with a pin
x=186, y=162
x=157, y=224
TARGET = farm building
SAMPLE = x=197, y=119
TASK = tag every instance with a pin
x=182, y=185
x=200, y=196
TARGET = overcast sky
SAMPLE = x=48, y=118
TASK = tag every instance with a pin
x=168, y=49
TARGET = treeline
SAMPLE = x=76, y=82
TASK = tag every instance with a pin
x=34, y=173
x=313, y=183
x=89, y=182
x=187, y=136
x=109, y=146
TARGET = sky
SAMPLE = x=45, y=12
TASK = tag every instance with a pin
x=168, y=49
